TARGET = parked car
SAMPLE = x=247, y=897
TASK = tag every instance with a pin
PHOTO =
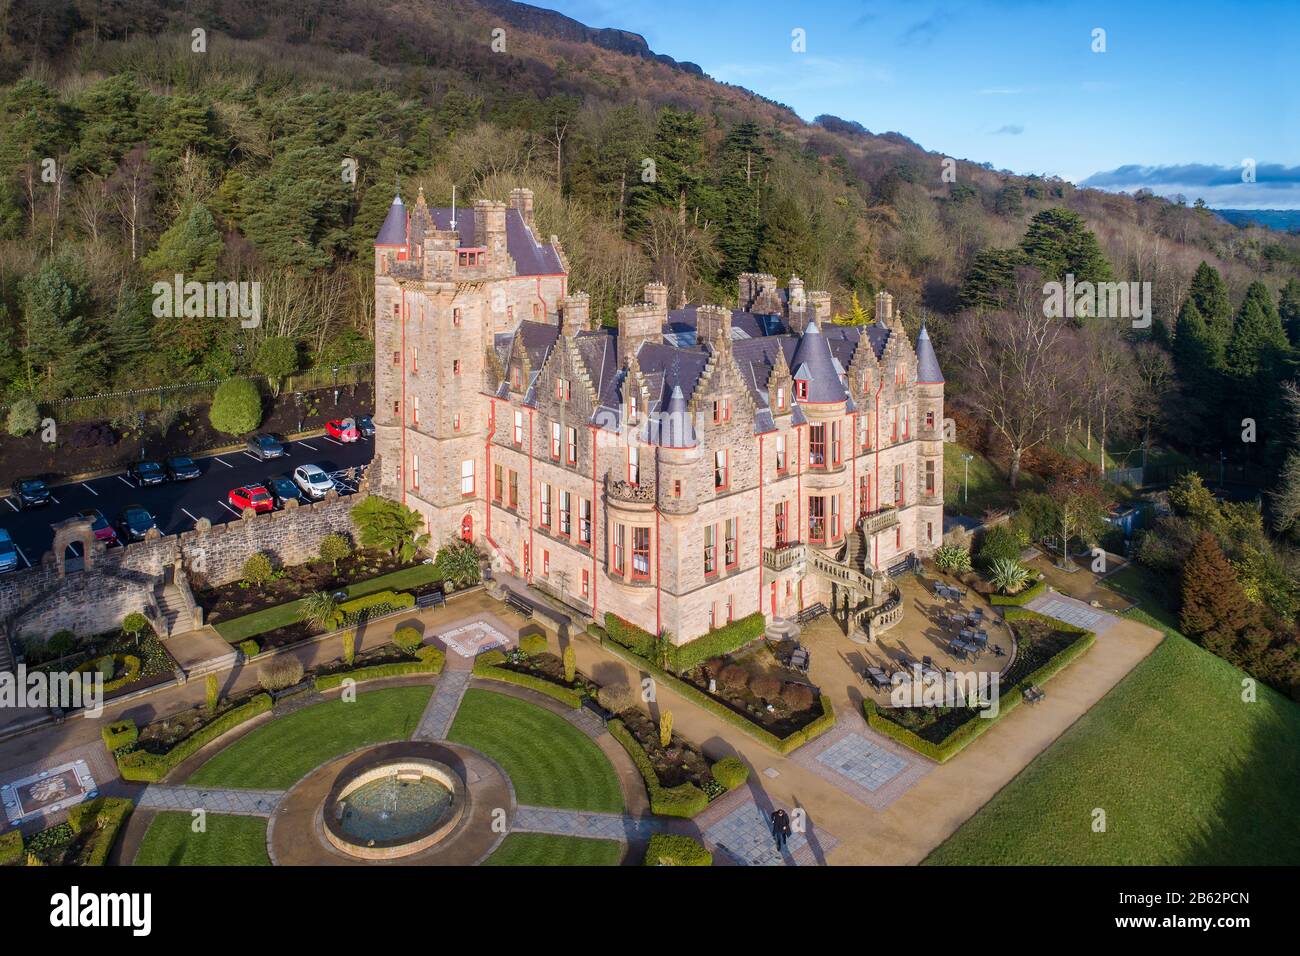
x=30, y=493
x=265, y=447
x=182, y=468
x=99, y=525
x=283, y=489
x=147, y=473
x=313, y=481
x=134, y=523
x=252, y=496
x=8, y=552
x=366, y=425
x=342, y=429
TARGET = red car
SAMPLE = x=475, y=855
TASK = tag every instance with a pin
x=342, y=429
x=252, y=496
x=100, y=526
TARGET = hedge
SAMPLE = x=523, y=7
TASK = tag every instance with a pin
x=681, y=658
x=683, y=800
x=357, y=606
x=106, y=817
x=781, y=745
x=1021, y=599
x=11, y=848
x=669, y=849
x=432, y=664
x=487, y=667
x=731, y=772
x=129, y=661
x=144, y=767
x=119, y=734
x=1008, y=699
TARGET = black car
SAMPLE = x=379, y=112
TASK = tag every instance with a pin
x=147, y=473
x=182, y=468
x=265, y=447
x=365, y=426
x=282, y=489
x=134, y=523
x=30, y=493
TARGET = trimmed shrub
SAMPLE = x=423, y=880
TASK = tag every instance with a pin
x=669, y=849
x=257, y=569
x=11, y=848
x=765, y=686
x=334, y=548
x=731, y=772
x=1000, y=541
x=349, y=647
x=211, y=692
x=430, y=661
x=107, y=665
x=616, y=697
x=570, y=661
x=279, y=673
x=534, y=644
x=143, y=767
x=723, y=640
x=408, y=640
x=428, y=654
x=666, y=729
x=236, y=407
x=684, y=800
x=134, y=624
x=250, y=648
x=488, y=666
x=120, y=734
x=626, y=634
x=375, y=605
x=106, y=822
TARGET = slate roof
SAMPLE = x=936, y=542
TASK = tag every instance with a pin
x=927, y=363
x=814, y=362
x=393, y=231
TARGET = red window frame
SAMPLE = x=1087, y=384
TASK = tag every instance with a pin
x=801, y=390
x=513, y=484
x=722, y=473
x=519, y=427
x=835, y=444
x=455, y=366
x=544, y=507
x=546, y=562
x=455, y=317
x=498, y=482
x=731, y=543
x=710, y=549
x=781, y=520
x=566, y=514
x=616, y=550
x=929, y=477
x=633, y=465
x=816, y=518
x=584, y=522
x=782, y=455
x=473, y=479
x=556, y=442
x=721, y=410
x=586, y=583
x=817, y=446
x=835, y=517
x=641, y=553
x=571, y=451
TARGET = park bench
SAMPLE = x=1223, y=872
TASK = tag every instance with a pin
x=519, y=604
x=431, y=599
x=811, y=613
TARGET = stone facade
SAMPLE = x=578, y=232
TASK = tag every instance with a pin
x=656, y=470
x=111, y=583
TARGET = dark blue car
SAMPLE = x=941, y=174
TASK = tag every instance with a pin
x=147, y=473
x=182, y=468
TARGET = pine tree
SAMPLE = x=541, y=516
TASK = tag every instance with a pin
x=743, y=163
x=1288, y=308
x=1210, y=296
x=190, y=247
x=990, y=279
x=1215, y=610
x=62, y=356
x=1058, y=242
x=678, y=152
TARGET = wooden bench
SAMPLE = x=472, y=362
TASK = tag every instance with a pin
x=432, y=599
x=519, y=604
x=811, y=613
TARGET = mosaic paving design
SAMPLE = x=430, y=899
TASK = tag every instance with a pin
x=866, y=765
x=862, y=762
x=470, y=640
x=48, y=791
x=1072, y=612
x=745, y=836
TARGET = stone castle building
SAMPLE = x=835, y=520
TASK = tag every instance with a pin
x=689, y=467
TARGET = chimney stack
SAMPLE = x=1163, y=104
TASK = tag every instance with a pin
x=884, y=308
x=522, y=200
x=490, y=230
x=713, y=327
x=575, y=314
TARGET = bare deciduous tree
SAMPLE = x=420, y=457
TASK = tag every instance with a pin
x=131, y=188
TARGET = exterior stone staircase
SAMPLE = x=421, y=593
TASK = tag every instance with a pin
x=177, y=615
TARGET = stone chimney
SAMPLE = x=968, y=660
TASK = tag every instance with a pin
x=522, y=200
x=656, y=293
x=796, y=299
x=819, y=306
x=575, y=314
x=638, y=324
x=713, y=327
x=884, y=308
x=490, y=229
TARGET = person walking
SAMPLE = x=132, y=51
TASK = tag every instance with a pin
x=780, y=828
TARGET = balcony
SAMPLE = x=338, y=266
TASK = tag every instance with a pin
x=783, y=558
x=877, y=521
x=642, y=493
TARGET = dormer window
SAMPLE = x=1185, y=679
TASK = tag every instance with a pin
x=632, y=408
x=780, y=398
x=801, y=389
x=469, y=259
x=563, y=390
x=515, y=376
x=721, y=410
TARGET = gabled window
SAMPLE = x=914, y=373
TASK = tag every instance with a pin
x=780, y=398
x=555, y=440
x=721, y=410
x=801, y=390
x=720, y=470
x=563, y=390
x=572, y=449
x=516, y=376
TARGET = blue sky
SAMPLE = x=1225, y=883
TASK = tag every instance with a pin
x=1183, y=93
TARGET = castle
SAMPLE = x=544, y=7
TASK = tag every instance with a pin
x=688, y=468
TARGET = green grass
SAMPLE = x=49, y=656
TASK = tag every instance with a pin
x=278, y=754
x=1144, y=586
x=988, y=486
x=229, y=841
x=550, y=762
x=541, y=849
x=1186, y=772
x=259, y=622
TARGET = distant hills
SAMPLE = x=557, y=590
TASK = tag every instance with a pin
x=1284, y=220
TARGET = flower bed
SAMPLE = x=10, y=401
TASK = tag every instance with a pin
x=154, y=756
x=84, y=840
x=496, y=665
x=678, y=778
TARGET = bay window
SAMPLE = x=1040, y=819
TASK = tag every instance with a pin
x=640, y=552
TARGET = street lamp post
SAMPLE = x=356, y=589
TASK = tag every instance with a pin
x=965, y=480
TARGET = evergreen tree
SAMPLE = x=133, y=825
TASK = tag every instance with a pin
x=677, y=155
x=857, y=314
x=190, y=247
x=743, y=164
x=1215, y=610
x=1257, y=342
x=61, y=355
x=1210, y=295
x=1288, y=308
x=1058, y=242
x=787, y=238
x=990, y=279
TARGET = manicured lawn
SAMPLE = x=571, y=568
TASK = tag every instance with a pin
x=1142, y=585
x=541, y=849
x=1186, y=772
x=278, y=754
x=550, y=762
x=259, y=622
x=229, y=841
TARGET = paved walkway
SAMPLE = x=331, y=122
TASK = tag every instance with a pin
x=1072, y=611
x=582, y=823
x=442, y=706
x=247, y=803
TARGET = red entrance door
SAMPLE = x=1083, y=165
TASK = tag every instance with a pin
x=774, y=599
x=467, y=528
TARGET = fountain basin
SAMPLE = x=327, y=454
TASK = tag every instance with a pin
x=392, y=807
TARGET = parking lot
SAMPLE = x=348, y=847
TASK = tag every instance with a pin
x=178, y=506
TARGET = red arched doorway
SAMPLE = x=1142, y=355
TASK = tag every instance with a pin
x=467, y=528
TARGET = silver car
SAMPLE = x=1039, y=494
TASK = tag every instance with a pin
x=313, y=481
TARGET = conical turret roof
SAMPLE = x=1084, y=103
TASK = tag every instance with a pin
x=393, y=231
x=814, y=363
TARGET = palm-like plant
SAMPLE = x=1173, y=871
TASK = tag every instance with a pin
x=952, y=558
x=321, y=611
x=458, y=562
x=391, y=526
x=1007, y=575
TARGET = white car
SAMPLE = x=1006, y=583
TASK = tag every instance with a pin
x=313, y=481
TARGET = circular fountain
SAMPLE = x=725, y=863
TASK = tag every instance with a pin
x=392, y=807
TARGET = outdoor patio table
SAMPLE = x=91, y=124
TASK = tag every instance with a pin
x=967, y=633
